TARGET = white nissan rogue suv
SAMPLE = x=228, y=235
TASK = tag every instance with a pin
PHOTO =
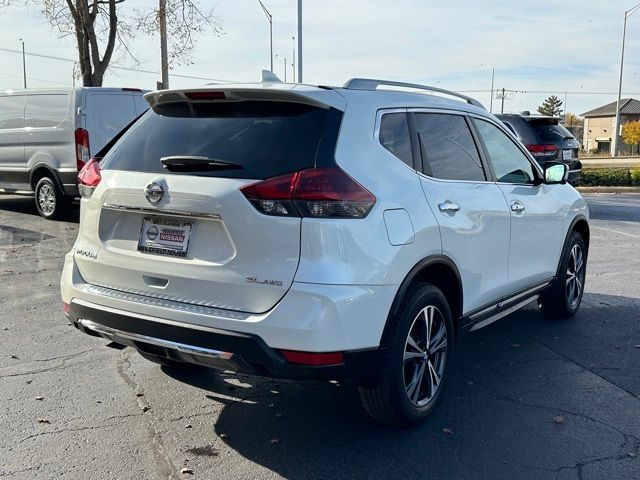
x=311, y=232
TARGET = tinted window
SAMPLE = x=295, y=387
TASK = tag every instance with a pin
x=394, y=136
x=509, y=163
x=266, y=138
x=12, y=111
x=447, y=147
x=46, y=110
x=550, y=130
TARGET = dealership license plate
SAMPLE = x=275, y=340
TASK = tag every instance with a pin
x=567, y=155
x=164, y=236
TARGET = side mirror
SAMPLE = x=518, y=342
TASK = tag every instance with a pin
x=555, y=172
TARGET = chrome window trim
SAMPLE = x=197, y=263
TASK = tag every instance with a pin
x=167, y=213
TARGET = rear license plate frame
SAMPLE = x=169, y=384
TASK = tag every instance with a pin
x=172, y=229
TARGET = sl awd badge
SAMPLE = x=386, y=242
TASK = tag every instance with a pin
x=154, y=192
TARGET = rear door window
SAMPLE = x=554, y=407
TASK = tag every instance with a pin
x=266, y=138
x=46, y=110
x=106, y=115
x=447, y=147
x=394, y=136
x=550, y=130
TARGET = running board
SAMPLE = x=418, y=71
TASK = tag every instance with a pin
x=503, y=313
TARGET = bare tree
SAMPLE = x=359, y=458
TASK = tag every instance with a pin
x=101, y=27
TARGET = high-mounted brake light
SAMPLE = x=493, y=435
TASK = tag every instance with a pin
x=316, y=192
x=313, y=359
x=205, y=95
x=89, y=177
x=543, y=150
x=82, y=147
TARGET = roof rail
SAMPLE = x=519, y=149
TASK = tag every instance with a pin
x=373, y=84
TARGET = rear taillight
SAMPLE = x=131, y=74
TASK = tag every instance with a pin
x=316, y=192
x=89, y=177
x=543, y=150
x=82, y=147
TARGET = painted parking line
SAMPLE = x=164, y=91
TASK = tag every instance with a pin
x=617, y=231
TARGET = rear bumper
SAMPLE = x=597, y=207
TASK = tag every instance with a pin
x=210, y=347
x=309, y=318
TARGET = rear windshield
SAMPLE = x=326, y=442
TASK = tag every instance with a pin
x=266, y=138
x=550, y=130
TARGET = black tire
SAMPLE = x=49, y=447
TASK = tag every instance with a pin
x=51, y=202
x=388, y=401
x=561, y=300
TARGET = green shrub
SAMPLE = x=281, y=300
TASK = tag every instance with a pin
x=635, y=175
x=606, y=177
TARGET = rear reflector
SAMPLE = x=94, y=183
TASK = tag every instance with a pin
x=316, y=192
x=82, y=147
x=89, y=177
x=313, y=359
x=65, y=308
x=205, y=95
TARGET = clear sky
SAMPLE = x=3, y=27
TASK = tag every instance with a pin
x=543, y=45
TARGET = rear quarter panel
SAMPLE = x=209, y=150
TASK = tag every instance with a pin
x=360, y=251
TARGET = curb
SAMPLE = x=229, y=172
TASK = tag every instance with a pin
x=608, y=189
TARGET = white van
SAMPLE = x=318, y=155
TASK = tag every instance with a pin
x=47, y=135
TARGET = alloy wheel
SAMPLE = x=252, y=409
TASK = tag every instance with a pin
x=575, y=275
x=425, y=355
x=47, y=199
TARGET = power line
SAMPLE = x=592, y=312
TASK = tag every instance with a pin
x=578, y=92
x=137, y=70
x=34, y=78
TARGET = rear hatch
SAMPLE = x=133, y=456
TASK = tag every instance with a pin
x=201, y=241
x=550, y=133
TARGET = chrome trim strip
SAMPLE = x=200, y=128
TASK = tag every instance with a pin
x=115, y=335
x=508, y=300
x=166, y=213
x=153, y=299
x=503, y=313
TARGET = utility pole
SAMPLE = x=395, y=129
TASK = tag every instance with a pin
x=299, y=41
x=24, y=66
x=164, y=59
x=502, y=106
x=564, y=110
x=270, y=18
x=616, y=129
x=493, y=74
x=293, y=59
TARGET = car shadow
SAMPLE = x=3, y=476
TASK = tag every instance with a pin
x=25, y=204
x=508, y=383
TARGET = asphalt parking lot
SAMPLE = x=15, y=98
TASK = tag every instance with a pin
x=529, y=398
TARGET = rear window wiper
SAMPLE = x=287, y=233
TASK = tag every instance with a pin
x=190, y=163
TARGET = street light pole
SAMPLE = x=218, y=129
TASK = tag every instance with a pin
x=616, y=130
x=493, y=74
x=270, y=18
x=293, y=59
x=24, y=66
x=299, y=41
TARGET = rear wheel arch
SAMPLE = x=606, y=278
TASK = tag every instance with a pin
x=439, y=271
x=40, y=171
x=581, y=226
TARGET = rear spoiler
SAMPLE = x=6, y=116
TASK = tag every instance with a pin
x=317, y=97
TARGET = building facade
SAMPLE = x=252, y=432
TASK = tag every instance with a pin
x=599, y=125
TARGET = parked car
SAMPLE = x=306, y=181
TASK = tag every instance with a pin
x=47, y=136
x=304, y=232
x=547, y=140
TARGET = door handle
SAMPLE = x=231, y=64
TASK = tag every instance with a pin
x=517, y=207
x=448, y=206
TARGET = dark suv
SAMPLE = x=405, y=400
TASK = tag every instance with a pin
x=547, y=140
